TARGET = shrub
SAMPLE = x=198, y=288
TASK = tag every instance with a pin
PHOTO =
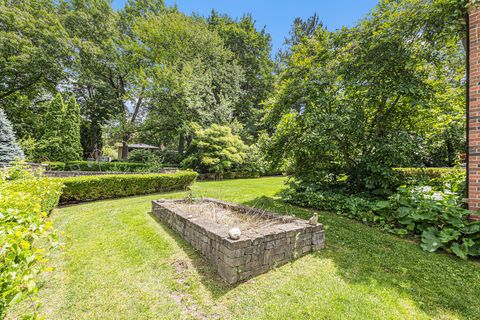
x=437, y=217
x=24, y=206
x=355, y=207
x=229, y=175
x=442, y=179
x=143, y=156
x=170, y=158
x=215, y=150
x=110, y=151
x=114, y=186
x=255, y=161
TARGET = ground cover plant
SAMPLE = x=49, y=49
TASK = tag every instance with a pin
x=363, y=273
x=431, y=210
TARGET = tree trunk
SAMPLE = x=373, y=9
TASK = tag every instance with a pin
x=450, y=151
x=126, y=138
x=181, y=144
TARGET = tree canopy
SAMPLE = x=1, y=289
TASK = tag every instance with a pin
x=386, y=92
x=358, y=102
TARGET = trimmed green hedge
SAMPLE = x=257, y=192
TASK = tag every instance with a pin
x=95, y=166
x=426, y=173
x=104, y=166
x=115, y=186
x=55, y=166
x=228, y=175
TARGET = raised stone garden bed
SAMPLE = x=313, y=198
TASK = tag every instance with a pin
x=267, y=240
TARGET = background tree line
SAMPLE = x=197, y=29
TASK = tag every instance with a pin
x=144, y=73
x=354, y=102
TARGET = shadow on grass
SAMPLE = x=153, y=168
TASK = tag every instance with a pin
x=103, y=200
x=208, y=275
x=436, y=282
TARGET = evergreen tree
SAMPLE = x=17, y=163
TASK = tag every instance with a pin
x=61, y=138
x=50, y=145
x=72, y=148
x=9, y=149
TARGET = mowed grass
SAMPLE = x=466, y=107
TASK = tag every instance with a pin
x=118, y=262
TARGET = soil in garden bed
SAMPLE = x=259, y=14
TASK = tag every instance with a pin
x=224, y=217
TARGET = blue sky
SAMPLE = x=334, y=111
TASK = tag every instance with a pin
x=278, y=15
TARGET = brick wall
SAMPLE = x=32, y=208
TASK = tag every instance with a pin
x=473, y=112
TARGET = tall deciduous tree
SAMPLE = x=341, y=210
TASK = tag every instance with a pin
x=190, y=77
x=33, y=45
x=251, y=48
x=355, y=103
x=35, y=53
x=97, y=77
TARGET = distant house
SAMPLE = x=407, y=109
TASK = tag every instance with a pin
x=131, y=147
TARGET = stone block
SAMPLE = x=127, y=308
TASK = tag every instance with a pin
x=255, y=252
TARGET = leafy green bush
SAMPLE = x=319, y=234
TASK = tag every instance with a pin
x=215, y=150
x=170, y=157
x=435, y=216
x=255, y=161
x=106, y=166
x=355, y=207
x=229, y=175
x=142, y=156
x=26, y=234
x=114, y=186
x=441, y=179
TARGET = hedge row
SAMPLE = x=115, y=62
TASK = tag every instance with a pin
x=426, y=173
x=24, y=207
x=114, y=186
x=228, y=175
x=96, y=166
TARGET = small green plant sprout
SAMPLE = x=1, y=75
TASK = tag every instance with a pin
x=189, y=197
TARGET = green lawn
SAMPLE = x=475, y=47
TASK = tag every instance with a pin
x=120, y=263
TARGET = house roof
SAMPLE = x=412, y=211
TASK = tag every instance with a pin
x=138, y=146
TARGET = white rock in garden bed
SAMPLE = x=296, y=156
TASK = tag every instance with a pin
x=234, y=233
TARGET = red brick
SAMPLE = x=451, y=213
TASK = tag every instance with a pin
x=474, y=111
